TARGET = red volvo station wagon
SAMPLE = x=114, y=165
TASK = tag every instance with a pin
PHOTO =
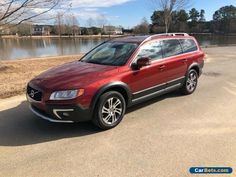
x=115, y=75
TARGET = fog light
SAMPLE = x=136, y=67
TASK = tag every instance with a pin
x=65, y=114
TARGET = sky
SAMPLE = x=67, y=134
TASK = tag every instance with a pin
x=129, y=13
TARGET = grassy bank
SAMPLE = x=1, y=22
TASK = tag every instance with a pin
x=14, y=75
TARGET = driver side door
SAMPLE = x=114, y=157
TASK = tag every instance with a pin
x=149, y=79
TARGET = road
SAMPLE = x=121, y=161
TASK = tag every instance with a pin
x=163, y=137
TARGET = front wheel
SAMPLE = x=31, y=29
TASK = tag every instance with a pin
x=109, y=110
x=191, y=82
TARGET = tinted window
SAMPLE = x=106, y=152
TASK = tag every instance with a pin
x=171, y=47
x=188, y=45
x=152, y=50
x=111, y=53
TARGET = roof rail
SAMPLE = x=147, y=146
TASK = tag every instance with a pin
x=166, y=34
x=172, y=34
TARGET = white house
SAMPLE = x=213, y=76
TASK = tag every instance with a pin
x=112, y=30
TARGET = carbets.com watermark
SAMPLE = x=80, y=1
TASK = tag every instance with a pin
x=211, y=170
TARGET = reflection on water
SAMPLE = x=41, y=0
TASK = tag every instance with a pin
x=206, y=40
x=11, y=49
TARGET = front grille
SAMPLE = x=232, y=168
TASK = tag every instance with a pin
x=34, y=94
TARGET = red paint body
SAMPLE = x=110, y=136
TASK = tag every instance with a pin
x=92, y=77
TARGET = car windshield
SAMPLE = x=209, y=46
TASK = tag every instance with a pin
x=111, y=53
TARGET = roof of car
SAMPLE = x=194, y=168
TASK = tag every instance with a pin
x=137, y=39
x=140, y=39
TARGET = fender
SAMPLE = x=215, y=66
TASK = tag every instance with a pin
x=194, y=65
x=109, y=86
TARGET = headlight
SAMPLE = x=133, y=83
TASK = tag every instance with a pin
x=66, y=94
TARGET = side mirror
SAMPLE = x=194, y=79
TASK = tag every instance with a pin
x=141, y=62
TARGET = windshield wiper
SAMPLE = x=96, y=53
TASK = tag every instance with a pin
x=94, y=62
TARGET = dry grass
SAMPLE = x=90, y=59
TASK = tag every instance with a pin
x=14, y=75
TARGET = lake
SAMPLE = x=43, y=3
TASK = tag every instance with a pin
x=20, y=48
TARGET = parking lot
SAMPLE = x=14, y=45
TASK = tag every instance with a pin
x=163, y=137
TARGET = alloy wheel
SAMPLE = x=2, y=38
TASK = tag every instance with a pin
x=112, y=110
x=192, y=81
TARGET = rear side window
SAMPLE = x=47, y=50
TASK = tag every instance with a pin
x=188, y=45
x=171, y=47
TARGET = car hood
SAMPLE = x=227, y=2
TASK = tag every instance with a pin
x=72, y=75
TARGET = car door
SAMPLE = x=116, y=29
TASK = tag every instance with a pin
x=191, y=52
x=149, y=79
x=175, y=61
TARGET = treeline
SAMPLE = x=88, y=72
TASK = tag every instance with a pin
x=64, y=25
x=223, y=22
x=192, y=21
x=27, y=29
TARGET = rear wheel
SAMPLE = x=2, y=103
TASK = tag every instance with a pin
x=191, y=82
x=109, y=110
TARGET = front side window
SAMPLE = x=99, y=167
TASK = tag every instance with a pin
x=111, y=53
x=171, y=47
x=188, y=45
x=152, y=50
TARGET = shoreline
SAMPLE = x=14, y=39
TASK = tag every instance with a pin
x=43, y=58
x=81, y=54
x=97, y=36
x=56, y=36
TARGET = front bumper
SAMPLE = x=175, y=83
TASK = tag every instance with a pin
x=45, y=117
x=62, y=113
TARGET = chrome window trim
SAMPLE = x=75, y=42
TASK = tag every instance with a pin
x=167, y=58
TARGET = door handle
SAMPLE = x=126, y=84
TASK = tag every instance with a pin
x=162, y=67
x=184, y=60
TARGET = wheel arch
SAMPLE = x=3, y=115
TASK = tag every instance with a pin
x=194, y=66
x=120, y=87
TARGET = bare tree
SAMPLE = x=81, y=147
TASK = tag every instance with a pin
x=168, y=6
x=19, y=11
x=90, y=23
x=72, y=25
x=59, y=23
x=25, y=29
x=101, y=20
x=142, y=28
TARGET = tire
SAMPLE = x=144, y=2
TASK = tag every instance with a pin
x=190, y=83
x=109, y=110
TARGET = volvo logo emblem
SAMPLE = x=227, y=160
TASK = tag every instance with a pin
x=32, y=93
